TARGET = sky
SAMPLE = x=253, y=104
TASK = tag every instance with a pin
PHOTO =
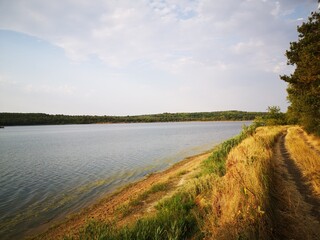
x=124, y=57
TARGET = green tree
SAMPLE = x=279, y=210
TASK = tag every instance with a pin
x=274, y=116
x=304, y=84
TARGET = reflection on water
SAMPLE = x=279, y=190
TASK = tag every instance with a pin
x=50, y=170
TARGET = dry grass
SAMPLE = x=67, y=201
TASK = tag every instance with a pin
x=313, y=140
x=240, y=200
x=305, y=155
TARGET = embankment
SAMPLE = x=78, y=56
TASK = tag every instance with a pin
x=257, y=185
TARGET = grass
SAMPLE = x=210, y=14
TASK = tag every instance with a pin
x=230, y=199
x=312, y=139
x=240, y=199
x=292, y=213
x=181, y=173
x=306, y=158
x=216, y=163
x=127, y=208
x=158, y=187
x=174, y=220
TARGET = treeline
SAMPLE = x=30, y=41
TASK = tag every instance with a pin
x=14, y=119
x=304, y=83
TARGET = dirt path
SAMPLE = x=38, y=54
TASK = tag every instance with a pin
x=108, y=208
x=297, y=210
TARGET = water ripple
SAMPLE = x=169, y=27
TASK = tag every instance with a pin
x=48, y=170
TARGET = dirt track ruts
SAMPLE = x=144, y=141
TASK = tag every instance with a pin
x=304, y=188
x=297, y=209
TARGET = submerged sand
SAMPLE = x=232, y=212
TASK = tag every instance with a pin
x=107, y=209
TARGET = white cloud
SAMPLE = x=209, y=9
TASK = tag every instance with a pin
x=122, y=32
x=50, y=89
x=248, y=47
x=276, y=10
x=201, y=45
x=6, y=80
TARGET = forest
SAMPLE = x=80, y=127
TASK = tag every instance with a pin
x=16, y=119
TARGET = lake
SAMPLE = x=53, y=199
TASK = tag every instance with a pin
x=48, y=171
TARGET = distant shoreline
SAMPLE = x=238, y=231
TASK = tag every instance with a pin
x=195, y=121
x=107, y=123
x=30, y=119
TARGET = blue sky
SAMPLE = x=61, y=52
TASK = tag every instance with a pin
x=124, y=57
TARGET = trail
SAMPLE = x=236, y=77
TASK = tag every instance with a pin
x=297, y=210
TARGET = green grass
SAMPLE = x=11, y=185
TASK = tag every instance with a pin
x=174, y=220
x=159, y=187
x=216, y=163
x=181, y=173
x=127, y=208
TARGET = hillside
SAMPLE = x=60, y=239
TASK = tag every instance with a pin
x=262, y=184
x=14, y=119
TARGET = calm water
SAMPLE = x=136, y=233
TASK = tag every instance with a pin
x=49, y=170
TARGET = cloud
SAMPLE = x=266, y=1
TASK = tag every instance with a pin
x=122, y=32
x=6, y=80
x=247, y=47
x=201, y=47
x=50, y=89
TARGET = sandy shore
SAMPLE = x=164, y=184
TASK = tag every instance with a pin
x=107, y=209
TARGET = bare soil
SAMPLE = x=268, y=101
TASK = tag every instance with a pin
x=296, y=208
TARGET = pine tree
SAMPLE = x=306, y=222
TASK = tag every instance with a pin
x=304, y=84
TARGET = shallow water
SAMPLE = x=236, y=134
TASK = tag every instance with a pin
x=50, y=170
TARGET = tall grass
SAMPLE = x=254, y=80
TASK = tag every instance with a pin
x=313, y=140
x=216, y=163
x=240, y=199
x=306, y=158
